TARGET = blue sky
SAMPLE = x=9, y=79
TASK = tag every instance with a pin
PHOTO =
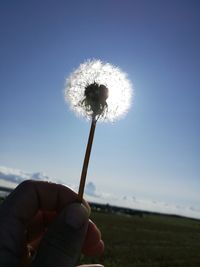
x=154, y=152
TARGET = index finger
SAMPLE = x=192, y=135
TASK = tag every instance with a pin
x=31, y=196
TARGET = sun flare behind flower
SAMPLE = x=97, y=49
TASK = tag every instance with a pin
x=98, y=73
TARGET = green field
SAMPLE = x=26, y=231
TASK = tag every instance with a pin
x=148, y=241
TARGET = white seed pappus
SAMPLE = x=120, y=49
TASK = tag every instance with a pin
x=95, y=71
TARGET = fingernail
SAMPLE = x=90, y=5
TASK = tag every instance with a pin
x=76, y=215
x=87, y=206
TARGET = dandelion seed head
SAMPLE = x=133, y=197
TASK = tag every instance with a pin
x=115, y=91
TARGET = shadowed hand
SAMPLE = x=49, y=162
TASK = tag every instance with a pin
x=41, y=224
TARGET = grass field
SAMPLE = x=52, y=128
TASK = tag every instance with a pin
x=148, y=241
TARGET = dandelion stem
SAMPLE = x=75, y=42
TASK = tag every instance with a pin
x=86, y=161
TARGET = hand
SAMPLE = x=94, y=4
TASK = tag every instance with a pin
x=44, y=219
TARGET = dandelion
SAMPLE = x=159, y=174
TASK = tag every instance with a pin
x=98, y=91
x=94, y=74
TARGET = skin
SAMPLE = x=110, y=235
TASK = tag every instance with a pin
x=33, y=210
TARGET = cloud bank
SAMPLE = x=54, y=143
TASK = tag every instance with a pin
x=12, y=177
x=17, y=176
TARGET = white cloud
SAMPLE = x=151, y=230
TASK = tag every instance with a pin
x=90, y=189
x=17, y=176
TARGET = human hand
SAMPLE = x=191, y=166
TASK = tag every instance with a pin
x=44, y=219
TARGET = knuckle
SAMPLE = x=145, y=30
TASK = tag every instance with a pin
x=26, y=185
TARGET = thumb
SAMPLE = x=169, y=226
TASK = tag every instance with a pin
x=61, y=245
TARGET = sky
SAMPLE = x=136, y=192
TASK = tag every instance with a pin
x=152, y=156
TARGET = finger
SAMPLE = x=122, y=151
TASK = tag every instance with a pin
x=96, y=250
x=92, y=245
x=39, y=224
x=42, y=220
x=38, y=227
x=61, y=245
